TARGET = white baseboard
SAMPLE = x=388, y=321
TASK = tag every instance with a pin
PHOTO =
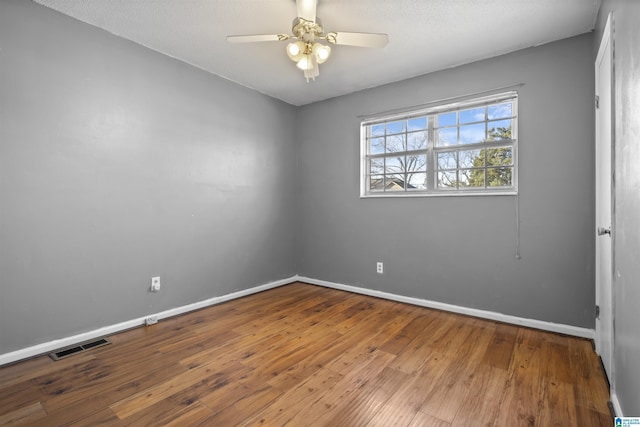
x=491, y=315
x=616, y=404
x=50, y=346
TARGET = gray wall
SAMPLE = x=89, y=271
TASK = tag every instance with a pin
x=461, y=250
x=626, y=233
x=118, y=164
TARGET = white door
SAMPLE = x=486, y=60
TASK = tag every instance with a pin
x=604, y=255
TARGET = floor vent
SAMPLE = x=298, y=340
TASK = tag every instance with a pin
x=78, y=348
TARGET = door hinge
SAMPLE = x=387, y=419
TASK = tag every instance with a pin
x=597, y=101
x=597, y=312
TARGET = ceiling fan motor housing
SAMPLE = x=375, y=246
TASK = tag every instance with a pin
x=307, y=30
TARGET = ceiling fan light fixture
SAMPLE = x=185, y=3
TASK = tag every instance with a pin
x=321, y=52
x=306, y=63
x=296, y=50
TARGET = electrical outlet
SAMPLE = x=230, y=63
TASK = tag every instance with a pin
x=379, y=268
x=155, y=284
x=151, y=320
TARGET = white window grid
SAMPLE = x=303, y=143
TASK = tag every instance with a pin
x=399, y=183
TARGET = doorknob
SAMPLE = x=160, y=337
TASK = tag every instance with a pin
x=602, y=231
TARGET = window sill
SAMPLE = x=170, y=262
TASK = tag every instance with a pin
x=439, y=194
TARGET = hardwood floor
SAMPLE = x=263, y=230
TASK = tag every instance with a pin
x=304, y=355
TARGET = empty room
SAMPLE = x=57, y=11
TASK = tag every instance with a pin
x=327, y=213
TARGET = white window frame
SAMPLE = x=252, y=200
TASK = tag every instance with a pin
x=431, y=151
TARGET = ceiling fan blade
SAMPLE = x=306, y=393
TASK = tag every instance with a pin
x=257, y=38
x=307, y=9
x=358, y=39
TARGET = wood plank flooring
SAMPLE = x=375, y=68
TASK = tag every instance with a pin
x=303, y=355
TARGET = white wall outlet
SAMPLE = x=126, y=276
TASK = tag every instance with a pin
x=379, y=268
x=155, y=284
x=151, y=320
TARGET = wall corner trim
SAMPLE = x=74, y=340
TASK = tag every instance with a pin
x=491, y=315
x=39, y=349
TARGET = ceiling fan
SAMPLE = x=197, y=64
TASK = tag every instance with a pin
x=304, y=48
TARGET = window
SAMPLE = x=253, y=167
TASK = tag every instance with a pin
x=466, y=147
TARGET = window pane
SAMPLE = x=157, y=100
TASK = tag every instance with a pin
x=396, y=143
x=417, y=181
x=376, y=146
x=498, y=111
x=446, y=119
x=472, y=178
x=417, y=141
x=394, y=164
x=472, y=134
x=500, y=156
x=376, y=183
x=394, y=182
x=447, y=137
x=447, y=160
x=472, y=115
x=500, y=129
x=447, y=179
x=396, y=127
x=416, y=162
x=376, y=166
x=377, y=130
x=471, y=158
x=464, y=146
x=499, y=177
x=419, y=123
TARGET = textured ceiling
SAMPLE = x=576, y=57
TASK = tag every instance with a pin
x=425, y=36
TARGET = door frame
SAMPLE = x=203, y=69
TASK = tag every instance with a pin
x=607, y=38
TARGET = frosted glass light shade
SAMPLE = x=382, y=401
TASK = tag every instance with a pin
x=295, y=51
x=306, y=62
x=321, y=52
